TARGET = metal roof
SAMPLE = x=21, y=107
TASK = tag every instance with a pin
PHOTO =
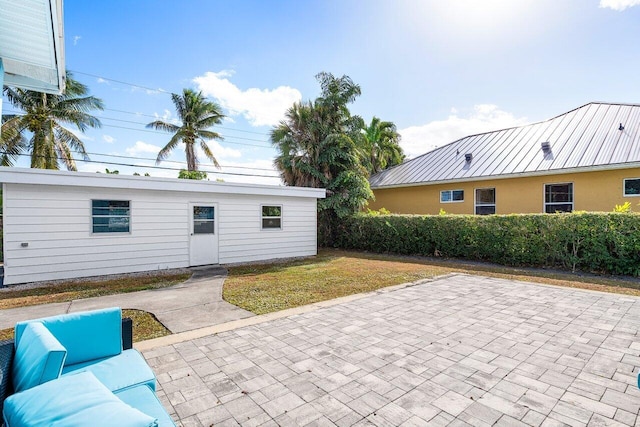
x=32, y=44
x=585, y=138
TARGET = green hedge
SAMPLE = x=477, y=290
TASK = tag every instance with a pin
x=592, y=242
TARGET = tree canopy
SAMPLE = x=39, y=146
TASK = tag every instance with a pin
x=197, y=115
x=41, y=130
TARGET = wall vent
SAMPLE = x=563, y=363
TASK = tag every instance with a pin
x=546, y=146
x=468, y=157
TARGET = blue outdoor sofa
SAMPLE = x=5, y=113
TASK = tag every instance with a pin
x=77, y=369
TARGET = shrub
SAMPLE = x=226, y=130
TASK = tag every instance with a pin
x=592, y=242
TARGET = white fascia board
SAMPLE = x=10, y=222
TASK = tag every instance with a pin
x=12, y=175
x=616, y=166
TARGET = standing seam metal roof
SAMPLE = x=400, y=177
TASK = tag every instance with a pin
x=585, y=137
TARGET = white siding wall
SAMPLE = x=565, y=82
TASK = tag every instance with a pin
x=55, y=221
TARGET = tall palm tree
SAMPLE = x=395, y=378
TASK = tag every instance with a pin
x=41, y=130
x=197, y=115
x=381, y=147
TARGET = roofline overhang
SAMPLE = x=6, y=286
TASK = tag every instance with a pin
x=13, y=175
x=516, y=175
x=28, y=76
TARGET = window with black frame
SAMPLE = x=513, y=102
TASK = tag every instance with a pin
x=558, y=197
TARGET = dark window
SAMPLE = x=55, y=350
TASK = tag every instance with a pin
x=204, y=218
x=110, y=216
x=558, y=198
x=632, y=187
x=485, y=201
x=448, y=196
x=271, y=217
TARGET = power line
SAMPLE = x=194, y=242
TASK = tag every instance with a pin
x=150, y=89
x=161, y=132
x=142, y=166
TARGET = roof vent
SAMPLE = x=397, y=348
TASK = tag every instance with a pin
x=620, y=127
x=468, y=157
x=546, y=146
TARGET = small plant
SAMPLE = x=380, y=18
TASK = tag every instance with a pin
x=197, y=175
x=381, y=211
x=624, y=208
x=442, y=212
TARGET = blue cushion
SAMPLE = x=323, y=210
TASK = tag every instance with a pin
x=74, y=400
x=39, y=358
x=144, y=399
x=86, y=335
x=118, y=372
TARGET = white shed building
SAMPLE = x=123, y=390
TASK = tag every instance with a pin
x=60, y=225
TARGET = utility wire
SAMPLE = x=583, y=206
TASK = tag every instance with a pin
x=141, y=166
x=145, y=88
x=154, y=131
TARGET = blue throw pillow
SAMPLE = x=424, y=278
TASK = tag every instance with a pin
x=39, y=358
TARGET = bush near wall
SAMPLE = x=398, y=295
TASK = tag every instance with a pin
x=591, y=242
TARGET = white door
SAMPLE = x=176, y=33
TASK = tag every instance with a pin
x=203, y=238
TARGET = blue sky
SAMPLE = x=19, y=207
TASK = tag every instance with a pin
x=438, y=69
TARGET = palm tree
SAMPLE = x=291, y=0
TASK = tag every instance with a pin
x=381, y=148
x=197, y=115
x=41, y=130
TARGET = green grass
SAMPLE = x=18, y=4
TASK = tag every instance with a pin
x=70, y=291
x=145, y=326
x=334, y=273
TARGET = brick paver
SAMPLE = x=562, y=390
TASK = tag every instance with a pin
x=462, y=350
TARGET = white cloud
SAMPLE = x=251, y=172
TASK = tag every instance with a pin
x=261, y=107
x=619, y=5
x=102, y=81
x=417, y=140
x=108, y=139
x=141, y=147
x=76, y=39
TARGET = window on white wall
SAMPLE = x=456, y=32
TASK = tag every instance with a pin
x=558, y=197
x=271, y=217
x=485, y=201
x=450, y=196
x=110, y=216
x=632, y=187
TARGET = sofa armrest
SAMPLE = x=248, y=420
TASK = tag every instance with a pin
x=6, y=359
x=127, y=333
x=86, y=335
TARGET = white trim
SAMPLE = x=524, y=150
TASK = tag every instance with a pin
x=624, y=187
x=262, y=217
x=544, y=196
x=12, y=175
x=619, y=166
x=451, y=191
x=475, y=199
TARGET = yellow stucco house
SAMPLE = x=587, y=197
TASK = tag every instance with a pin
x=587, y=160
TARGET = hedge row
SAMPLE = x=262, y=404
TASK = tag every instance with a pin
x=592, y=242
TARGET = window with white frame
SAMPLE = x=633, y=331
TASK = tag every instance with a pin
x=558, y=197
x=632, y=187
x=271, y=217
x=450, y=196
x=110, y=216
x=485, y=201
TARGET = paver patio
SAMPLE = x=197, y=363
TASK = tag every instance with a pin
x=461, y=350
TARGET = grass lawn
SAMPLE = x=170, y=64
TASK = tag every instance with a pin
x=334, y=273
x=145, y=325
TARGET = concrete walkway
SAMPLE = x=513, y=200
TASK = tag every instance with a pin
x=457, y=351
x=194, y=304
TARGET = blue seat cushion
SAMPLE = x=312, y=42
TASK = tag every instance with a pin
x=119, y=372
x=39, y=358
x=144, y=399
x=74, y=400
x=85, y=335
